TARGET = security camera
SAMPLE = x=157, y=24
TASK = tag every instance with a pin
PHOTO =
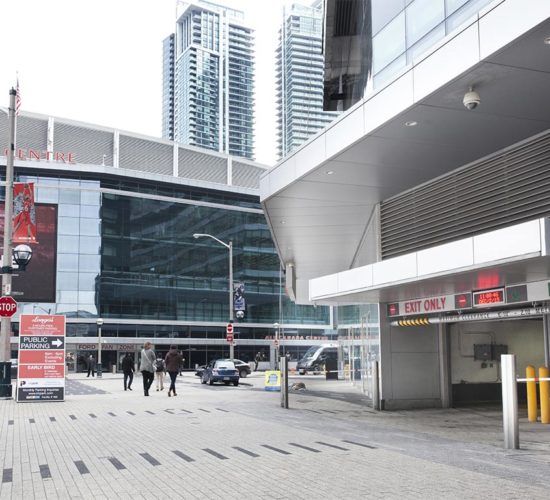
x=471, y=99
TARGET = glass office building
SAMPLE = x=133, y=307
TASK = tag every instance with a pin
x=115, y=241
x=208, y=89
x=300, y=69
x=369, y=43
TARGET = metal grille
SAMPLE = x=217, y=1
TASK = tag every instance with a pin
x=3, y=130
x=245, y=175
x=88, y=145
x=146, y=155
x=202, y=166
x=507, y=188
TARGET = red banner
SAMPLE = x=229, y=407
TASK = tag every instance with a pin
x=24, y=213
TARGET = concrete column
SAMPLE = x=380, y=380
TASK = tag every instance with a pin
x=445, y=366
x=546, y=334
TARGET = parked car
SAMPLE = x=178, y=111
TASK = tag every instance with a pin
x=220, y=370
x=242, y=367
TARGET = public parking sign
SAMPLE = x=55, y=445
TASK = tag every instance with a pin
x=8, y=306
x=41, y=370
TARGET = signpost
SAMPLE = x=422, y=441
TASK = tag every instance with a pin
x=41, y=370
x=8, y=306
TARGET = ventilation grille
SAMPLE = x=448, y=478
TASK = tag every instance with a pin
x=145, y=155
x=200, y=166
x=508, y=188
x=88, y=145
x=245, y=175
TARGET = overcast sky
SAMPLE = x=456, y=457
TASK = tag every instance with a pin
x=100, y=61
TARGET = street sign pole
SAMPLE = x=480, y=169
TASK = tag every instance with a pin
x=5, y=324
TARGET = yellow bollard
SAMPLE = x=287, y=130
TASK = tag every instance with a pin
x=544, y=400
x=531, y=395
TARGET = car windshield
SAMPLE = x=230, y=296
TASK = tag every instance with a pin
x=310, y=352
x=224, y=365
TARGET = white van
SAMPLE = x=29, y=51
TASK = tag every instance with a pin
x=315, y=358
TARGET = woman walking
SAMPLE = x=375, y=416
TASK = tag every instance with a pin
x=146, y=366
x=173, y=362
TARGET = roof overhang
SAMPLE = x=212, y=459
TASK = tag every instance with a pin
x=320, y=199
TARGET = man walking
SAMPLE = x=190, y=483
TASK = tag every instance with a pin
x=91, y=365
x=128, y=370
x=147, y=367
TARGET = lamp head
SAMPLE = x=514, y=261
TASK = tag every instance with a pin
x=22, y=254
x=99, y=321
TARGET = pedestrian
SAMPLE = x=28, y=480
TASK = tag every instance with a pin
x=91, y=365
x=128, y=370
x=257, y=359
x=146, y=366
x=174, y=360
x=160, y=371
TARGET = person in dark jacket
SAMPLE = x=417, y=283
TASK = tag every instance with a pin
x=91, y=365
x=173, y=362
x=128, y=370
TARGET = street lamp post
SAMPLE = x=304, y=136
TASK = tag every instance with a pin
x=99, y=322
x=229, y=247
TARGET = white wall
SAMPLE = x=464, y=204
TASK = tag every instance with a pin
x=524, y=338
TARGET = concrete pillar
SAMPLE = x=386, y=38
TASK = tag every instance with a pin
x=445, y=381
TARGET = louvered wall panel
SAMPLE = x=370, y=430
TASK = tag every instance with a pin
x=507, y=188
x=245, y=175
x=3, y=130
x=32, y=133
x=88, y=144
x=145, y=156
x=206, y=167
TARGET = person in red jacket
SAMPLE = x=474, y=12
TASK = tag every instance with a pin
x=173, y=362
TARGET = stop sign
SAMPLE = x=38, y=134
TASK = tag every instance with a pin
x=8, y=306
x=229, y=337
x=229, y=328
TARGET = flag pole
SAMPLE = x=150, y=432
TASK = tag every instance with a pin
x=5, y=325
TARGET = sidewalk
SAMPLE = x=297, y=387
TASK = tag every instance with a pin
x=238, y=443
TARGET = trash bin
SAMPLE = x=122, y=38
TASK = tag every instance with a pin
x=5, y=379
x=331, y=369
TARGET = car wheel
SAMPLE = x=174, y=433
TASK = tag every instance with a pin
x=236, y=383
x=302, y=372
x=243, y=373
x=210, y=381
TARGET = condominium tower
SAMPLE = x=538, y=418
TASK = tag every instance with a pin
x=300, y=70
x=208, y=89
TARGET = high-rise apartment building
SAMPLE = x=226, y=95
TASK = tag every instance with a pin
x=208, y=88
x=300, y=70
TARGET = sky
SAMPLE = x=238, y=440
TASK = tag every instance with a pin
x=100, y=61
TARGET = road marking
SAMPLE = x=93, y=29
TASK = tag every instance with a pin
x=92, y=415
x=10, y=422
x=45, y=471
x=246, y=452
x=183, y=455
x=116, y=462
x=7, y=475
x=186, y=411
x=72, y=417
x=205, y=411
x=31, y=421
x=112, y=414
x=150, y=412
x=171, y=412
x=276, y=449
x=131, y=413
x=150, y=459
x=305, y=447
x=81, y=467
x=52, y=419
x=332, y=446
x=359, y=444
x=220, y=409
x=215, y=454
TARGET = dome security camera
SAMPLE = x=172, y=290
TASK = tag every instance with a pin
x=471, y=99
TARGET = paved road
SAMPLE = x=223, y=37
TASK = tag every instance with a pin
x=237, y=443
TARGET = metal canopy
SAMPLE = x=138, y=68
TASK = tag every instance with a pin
x=319, y=220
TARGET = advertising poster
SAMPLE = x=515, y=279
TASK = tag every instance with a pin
x=37, y=283
x=239, y=303
x=24, y=213
x=41, y=367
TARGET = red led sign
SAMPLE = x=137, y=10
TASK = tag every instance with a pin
x=393, y=309
x=489, y=297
